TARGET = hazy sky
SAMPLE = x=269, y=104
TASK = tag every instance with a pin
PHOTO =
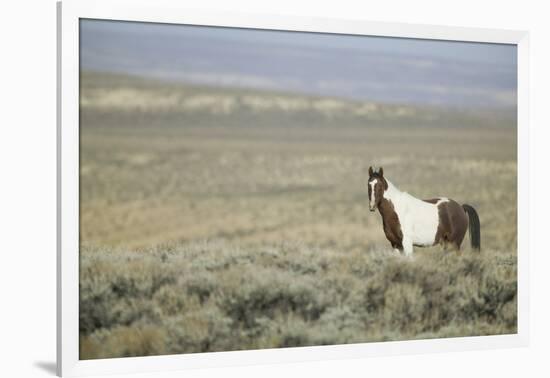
x=373, y=68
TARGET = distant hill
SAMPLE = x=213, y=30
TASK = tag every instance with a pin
x=104, y=93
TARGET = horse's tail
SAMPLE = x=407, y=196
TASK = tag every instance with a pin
x=474, y=226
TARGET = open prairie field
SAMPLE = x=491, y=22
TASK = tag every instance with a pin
x=224, y=219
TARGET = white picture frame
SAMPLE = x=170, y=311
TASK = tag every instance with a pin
x=165, y=11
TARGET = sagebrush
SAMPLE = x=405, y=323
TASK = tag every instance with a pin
x=211, y=296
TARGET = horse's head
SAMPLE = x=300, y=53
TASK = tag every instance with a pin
x=377, y=186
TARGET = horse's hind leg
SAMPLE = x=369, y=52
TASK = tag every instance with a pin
x=444, y=244
x=456, y=241
x=456, y=247
x=450, y=246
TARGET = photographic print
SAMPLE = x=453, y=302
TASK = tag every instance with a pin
x=249, y=189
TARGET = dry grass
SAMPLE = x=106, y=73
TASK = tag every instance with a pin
x=212, y=296
x=248, y=227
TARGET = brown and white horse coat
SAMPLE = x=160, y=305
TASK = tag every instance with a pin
x=409, y=221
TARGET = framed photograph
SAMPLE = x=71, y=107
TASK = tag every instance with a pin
x=238, y=189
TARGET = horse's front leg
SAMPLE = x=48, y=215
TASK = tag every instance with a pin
x=397, y=246
x=407, y=246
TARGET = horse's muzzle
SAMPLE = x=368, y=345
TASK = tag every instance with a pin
x=372, y=209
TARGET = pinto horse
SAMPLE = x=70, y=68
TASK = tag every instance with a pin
x=409, y=221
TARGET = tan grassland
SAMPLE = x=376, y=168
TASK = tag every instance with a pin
x=224, y=219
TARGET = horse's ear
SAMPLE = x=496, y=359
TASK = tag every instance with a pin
x=370, y=171
x=381, y=172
